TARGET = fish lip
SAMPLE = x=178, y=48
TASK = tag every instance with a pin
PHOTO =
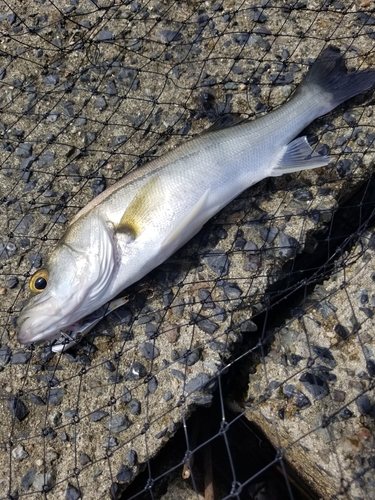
x=26, y=337
x=22, y=336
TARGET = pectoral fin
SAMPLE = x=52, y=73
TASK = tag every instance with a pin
x=188, y=225
x=299, y=156
x=139, y=211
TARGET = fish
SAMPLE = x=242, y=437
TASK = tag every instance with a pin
x=140, y=221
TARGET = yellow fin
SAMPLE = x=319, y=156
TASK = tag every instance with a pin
x=188, y=226
x=139, y=211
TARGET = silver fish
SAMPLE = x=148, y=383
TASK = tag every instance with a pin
x=144, y=218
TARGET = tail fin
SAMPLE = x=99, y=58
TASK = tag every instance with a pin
x=329, y=73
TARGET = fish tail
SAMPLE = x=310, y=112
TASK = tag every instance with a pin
x=327, y=84
x=335, y=85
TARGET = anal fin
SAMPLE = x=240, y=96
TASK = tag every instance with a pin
x=299, y=156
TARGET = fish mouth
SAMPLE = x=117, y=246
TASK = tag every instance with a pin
x=31, y=330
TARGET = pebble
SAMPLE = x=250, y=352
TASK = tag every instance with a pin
x=19, y=453
x=44, y=482
x=219, y=313
x=98, y=415
x=326, y=308
x=54, y=418
x=135, y=407
x=124, y=474
x=18, y=408
x=152, y=385
x=168, y=297
x=243, y=39
x=344, y=167
x=198, y=383
x=345, y=413
x=168, y=36
x=149, y=351
x=300, y=400
x=126, y=396
x=136, y=371
x=24, y=150
x=5, y=354
x=338, y=396
x=350, y=120
x=204, y=400
x=217, y=261
x=365, y=18
x=115, y=379
x=162, y=433
x=105, y=36
x=25, y=168
x=147, y=318
x=132, y=457
x=28, y=479
x=55, y=396
x=68, y=107
x=25, y=176
x=248, y=326
x=110, y=442
x=188, y=357
x=124, y=316
x=64, y=437
x=220, y=232
x=109, y=366
x=342, y=331
x=167, y=396
x=52, y=117
x=151, y=330
x=324, y=354
x=315, y=384
x=52, y=79
x=268, y=234
x=288, y=246
x=363, y=404
x=59, y=219
x=114, y=490
x=35, y=260
x=84, y=459
x=23, y=224
x=231, y=290
x=205, y=324
x=49, y=433
x=367, y=311
x=72, y=493
x=118, y=423
x=370, y=366
x=71, y=413
x=206, y=299
x=362, y=296
x=100, y=103
x=46, y=159
x=257, y=15
x=178, y=374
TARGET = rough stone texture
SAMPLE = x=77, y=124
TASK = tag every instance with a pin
x=86, y=97
x=329, y=438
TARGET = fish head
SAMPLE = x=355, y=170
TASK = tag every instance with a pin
x=70, y=287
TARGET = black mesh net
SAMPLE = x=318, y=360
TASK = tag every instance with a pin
x=243, y=366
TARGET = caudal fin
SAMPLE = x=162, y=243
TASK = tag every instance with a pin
x=330, y=74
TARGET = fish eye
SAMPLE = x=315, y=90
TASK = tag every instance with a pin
x=39, y=280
